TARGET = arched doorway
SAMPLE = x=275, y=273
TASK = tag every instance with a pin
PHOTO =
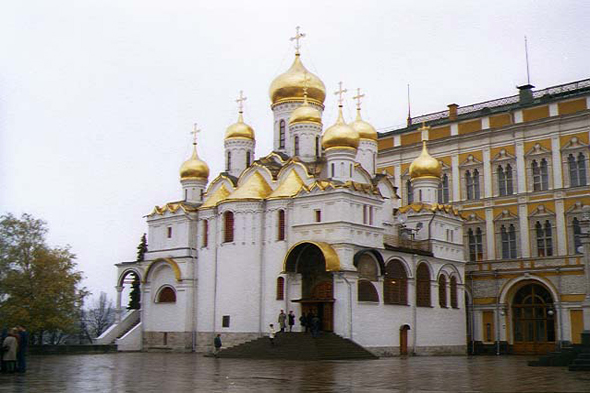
x=315, y=262
x=533, y=320
x=403, y=340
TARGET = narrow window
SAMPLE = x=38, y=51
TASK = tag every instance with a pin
x=420, y=195
x=317, y=147
x=476, y=194
x=318, y=216
x=454, y=302
x=282, y=134
x=228, y=162
x=169, y=229
x=281, y=234
x=410, y=191
x=443, y=189
x=332, y=168
x=395, y=284
x=364, y=214
x=478, y=244
x=472, y=245
x=370, y=215
x=225, y=321
x=536, y=176
x=512, y=240
x=577, y=229
x=248, y=159
x=544, y=175
x=509, y=182
x=540, y=239
x=229, y=227
x=582, y=169
x=469, y=185
x=185, y=195
x=573, y=170
x=501, y=181
x=280, y=288
x=504, y=242
x=423, y=286
x=374, y=162
x=205, y=233
x=296, y=142
x=442, y=291
x=350, y=167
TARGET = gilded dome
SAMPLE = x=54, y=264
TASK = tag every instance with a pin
x=194, y=168
x=340, y=135
x=425, y=165
x=365, y=130
x=306, y=114
x=289, y=85
x=239, y=130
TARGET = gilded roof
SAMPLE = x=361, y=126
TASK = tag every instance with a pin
x=289, y=85
x=289, y=187
x=418, y=207
x=172, y=207
x=220, y=194
x=255, y=187
x=425, y=165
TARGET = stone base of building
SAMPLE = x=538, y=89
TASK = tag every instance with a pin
x=436, y=350
x=205, y=340
x=167, y=341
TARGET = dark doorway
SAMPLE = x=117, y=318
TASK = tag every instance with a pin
x=403, y=340
x=533, y=316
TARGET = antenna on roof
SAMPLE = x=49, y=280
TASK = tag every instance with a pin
x=526, y=52
x=409, y=113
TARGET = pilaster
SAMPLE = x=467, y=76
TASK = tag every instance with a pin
x=487, y=173
x=524, y=229
x=556, y=158
x=520, y=167
x=456, y=178
x=490, y=236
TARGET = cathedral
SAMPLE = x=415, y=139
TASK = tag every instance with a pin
x=311, y=227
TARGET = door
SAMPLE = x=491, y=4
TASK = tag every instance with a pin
x=403, y=340
x=533, y=317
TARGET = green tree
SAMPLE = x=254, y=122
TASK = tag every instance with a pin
x=40, y=286
x=134, y=295
x=142, y=248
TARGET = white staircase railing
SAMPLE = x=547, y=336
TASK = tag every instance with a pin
x=117, y=329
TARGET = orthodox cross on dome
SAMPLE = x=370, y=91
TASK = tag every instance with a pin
x=240, y=101
x=194, y=132
x=297, y=37
x=339, y=93
x=358, y=97
x=425, y=130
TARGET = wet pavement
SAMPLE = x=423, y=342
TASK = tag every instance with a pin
x=171, y=373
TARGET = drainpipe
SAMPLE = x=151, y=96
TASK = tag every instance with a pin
x=472, y=316
x=558, y=307
x=262, y=264
x=342, y=276
x=497, y=312
x=414, y=316
x=216, y=239
x=194, y=300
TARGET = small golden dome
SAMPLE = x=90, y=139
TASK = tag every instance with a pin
x=306, y=114
x=340, y=135
x=289, y=85
x=365, y=130
x=425, y=165
x=239, y=130
x=194, y=168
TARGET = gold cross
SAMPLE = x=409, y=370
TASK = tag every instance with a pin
x=339, y=93
x=194, y=132
x=241, y=100
x=297, y=37
x=358, y=97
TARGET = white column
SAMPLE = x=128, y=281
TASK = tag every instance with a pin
x=487, y=173
x=525, y=249
x=560, y=227
x=520, y=167
x=118, y=309
x=490, y=234
x=556, y=158
x=456, y=178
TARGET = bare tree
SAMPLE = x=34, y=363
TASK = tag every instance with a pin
x=101, y=315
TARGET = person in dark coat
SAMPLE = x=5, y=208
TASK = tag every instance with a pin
x=315, y=326
x=21, y=360
x=309, y=322
x=303, y=322
x=291, y=318
x=217, y=345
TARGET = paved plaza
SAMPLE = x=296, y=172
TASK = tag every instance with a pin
x=171, y=373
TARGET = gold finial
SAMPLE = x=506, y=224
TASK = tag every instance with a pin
x=358, y=97
x=297, y=37
x=339, y=93
x=240, y=101
x=194, y=132
x=425, y=130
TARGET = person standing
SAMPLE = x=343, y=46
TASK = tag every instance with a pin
x=10, y=346
x=271, y=335
x=291, y=318
x=282, y=320
x=23, y=345
x=315, y=326
x=303, y=322
x=309, y=319
x=217, y=345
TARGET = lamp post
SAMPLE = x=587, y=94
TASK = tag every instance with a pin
x=585, y=237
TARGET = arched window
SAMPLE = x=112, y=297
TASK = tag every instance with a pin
x=540, y=175
x=281, y=219
x=443, y=189
x=577, y=229
x=205, y=233
x=367, y=292
x=282, y=134
x=454, y=298
x=296, y=143
x=166, y=295
x=423, y=286
x=544, y=237
x=248, y=159
x=367, y=268
x=395, y=285
x=280, y=288
x=508, y=241
x=228, y=162
x=469, y=185
x=228, y=218
x=475, y=240
x=410, y=191
x=442, y=291
x=577, y=170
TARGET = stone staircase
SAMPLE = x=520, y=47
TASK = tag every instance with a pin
x=581, y=363
x=299, y=346
x=125, y=331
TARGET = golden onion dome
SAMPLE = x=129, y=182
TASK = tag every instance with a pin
x=239, y=130
x=289, y=85
x=306, y=114
x=365, y=130
x=194, y=168
x=340, y=135
x=425, y=165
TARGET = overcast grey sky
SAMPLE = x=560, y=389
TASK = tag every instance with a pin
x=98, y=98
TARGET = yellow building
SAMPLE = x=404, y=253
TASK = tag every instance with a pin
x=517, y=168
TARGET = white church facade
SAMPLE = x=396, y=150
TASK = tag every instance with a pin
x=310, y=227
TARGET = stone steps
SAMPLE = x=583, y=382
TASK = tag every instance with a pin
x=299, y=346
x=581, y=363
